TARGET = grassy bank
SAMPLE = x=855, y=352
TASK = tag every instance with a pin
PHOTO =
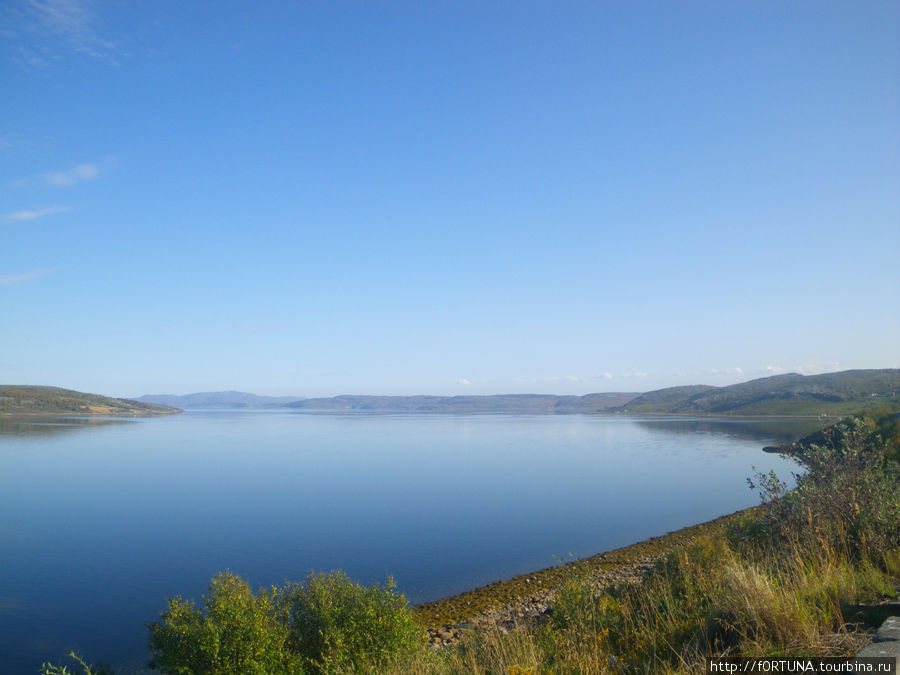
x=801, y=575
x=504, y=595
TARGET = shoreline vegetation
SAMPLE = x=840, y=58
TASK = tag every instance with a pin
x=809, y=572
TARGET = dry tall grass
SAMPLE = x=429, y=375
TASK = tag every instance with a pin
x=703, y=601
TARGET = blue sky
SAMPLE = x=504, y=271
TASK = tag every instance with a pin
x=446, y=197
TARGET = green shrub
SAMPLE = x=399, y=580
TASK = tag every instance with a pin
x=337, y=623
x=241, y=632
x=847, y=498
x=326, y=623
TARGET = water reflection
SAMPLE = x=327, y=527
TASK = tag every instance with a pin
x=110, y=524
x=767, y=430
x=30, y=426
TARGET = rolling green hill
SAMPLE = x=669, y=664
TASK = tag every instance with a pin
x=25, y=399
x=789, y=394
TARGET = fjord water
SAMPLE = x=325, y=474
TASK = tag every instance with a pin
x=101, y=521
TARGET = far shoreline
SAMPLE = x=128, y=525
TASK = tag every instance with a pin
x=416, y=413
x=88, y=414
x=724, y=416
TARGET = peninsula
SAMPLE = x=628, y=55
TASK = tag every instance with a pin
x=38, y=400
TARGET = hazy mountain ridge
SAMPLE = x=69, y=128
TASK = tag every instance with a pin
x=499, y=403
x=26, y=399
x=788, y=394
x=218, y=399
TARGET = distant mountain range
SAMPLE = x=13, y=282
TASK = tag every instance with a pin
x=789, y=394
x=218, y=399
x=30, y=399
x=506, y=403
x=501, y=403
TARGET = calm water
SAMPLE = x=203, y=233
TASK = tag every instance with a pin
x=101, y=521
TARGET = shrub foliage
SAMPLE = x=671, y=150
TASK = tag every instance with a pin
x=338, y=623
x=326, y=623
x=240, y=632
x=846, y=498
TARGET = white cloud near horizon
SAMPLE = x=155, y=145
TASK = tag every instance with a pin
x=12, y=279
x=78, y=174
x=737, y=370
x=34, y=214
x=608, y=376
x=464, y=381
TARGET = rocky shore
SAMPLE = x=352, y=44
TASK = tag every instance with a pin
x=525, y=598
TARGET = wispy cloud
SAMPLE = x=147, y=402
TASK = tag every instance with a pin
x=68, y=178
x=36, y=213
x=48, y=31
x=608, y=376
x=813, y=367
x=463, y=381
x=12, y=279
x=74, y=23
x=737, y=370
x=550, y=379
x=637, y=373
x=79, y=174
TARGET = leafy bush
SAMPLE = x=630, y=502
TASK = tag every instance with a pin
x=241, y=632
x=886, y=420
x=847, y=498
x=328, y=622
x=337, y=623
